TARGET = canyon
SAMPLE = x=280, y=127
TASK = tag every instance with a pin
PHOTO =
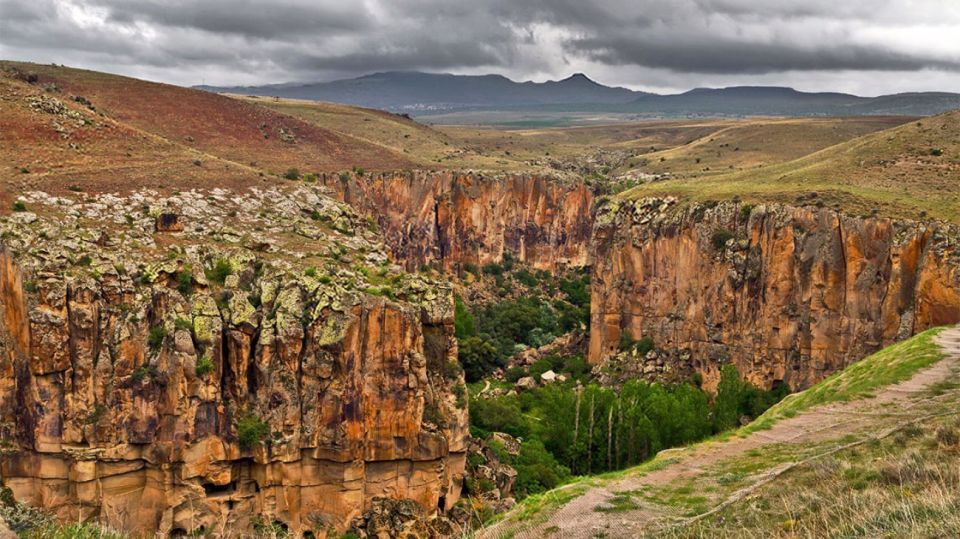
x=194, y=343
x=452, y=219
x=788, y=294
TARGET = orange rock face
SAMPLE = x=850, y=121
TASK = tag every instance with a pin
x=452, y=219
x=138, y=392
x=785, y=293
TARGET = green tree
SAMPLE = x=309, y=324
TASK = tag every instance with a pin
x=478, y=356
x=726, y=408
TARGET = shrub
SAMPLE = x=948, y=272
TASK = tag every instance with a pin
x=204, y=366
x=19, y=206
x=185, y=282
x=292, y=174
x=493, y=269
x=478, y=357
x=464, y=323
x=143, y=371
x=183, y=323
x=537, y=469
x=642, y=346
x=525, y=277
x=514, y=373
x=720, y=238
x=460, y=392
x=577, y=367
x=251, y=430
x=157, y=334
x=219, y=272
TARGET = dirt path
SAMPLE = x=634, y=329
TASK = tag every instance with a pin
x=821, y=429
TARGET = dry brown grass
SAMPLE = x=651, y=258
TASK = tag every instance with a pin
x=907, y=485
x=908, y=171
x=155, y=132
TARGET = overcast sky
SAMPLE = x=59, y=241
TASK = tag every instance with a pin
x=867, y=47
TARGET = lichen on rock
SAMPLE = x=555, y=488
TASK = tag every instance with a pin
x=183, y=382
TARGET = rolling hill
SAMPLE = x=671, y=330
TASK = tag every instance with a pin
x=170, y=121
x=912, y=170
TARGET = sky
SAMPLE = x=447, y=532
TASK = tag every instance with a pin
x=867, y=47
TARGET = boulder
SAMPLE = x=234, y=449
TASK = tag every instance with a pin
x=526, y=383
x=548, y=377
x=509, y=443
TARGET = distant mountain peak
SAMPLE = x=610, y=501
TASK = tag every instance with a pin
x=422, y=93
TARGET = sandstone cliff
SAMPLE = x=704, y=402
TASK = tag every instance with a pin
x=455, y=218
x=267, y=362
x=786, y=293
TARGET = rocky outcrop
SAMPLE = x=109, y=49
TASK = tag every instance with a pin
x=785, y=293
x=451, y=219
x=216, y=379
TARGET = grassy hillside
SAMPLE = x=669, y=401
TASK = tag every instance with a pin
x=908, y=171
x=869, y=452
x=51, y=142
x=423, y=146
x=609, y=149
x=754, y=143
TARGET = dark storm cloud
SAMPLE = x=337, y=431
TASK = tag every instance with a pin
x=719, y=55
x=253, y=41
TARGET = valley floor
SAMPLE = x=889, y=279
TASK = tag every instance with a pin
x=877, y=465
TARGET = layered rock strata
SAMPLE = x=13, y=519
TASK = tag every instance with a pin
x=267, y=364
x=785, y=293
x=451, y=219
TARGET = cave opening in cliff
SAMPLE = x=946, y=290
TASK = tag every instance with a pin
x=442, y=503
x=211, y=489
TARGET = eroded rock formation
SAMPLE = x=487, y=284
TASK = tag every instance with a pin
x=263, y=363
x=451, y=218
x=785, y=293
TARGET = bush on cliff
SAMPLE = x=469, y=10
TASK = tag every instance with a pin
x=251, y=430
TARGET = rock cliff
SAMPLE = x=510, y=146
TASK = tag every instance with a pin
x=451, y=219
x=262, y=361
x=788, y=294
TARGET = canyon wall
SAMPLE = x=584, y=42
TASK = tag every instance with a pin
x=139, y=390
x=787, y=294
x=451, y=219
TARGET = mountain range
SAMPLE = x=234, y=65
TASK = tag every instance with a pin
x=423, y=94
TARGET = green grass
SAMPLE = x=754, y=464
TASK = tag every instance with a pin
x=892, y=365
x=621, y=502
x=686, y=498
x=538, y=507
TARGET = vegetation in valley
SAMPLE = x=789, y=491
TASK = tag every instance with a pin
x=548, y=308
